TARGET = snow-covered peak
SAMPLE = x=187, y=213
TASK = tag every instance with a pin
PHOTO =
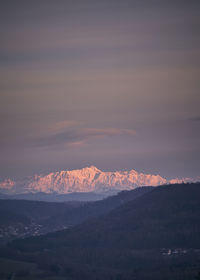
x=7, y=184
x=94, y=168
x=90, y=169
x=88, y=179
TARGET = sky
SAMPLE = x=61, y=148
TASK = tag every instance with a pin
x=109, y=83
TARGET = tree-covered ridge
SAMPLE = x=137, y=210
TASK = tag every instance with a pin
x=21, y=218
x=156, y=236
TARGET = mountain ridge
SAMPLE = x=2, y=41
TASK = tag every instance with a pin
x=88, y=179
x=153, y=237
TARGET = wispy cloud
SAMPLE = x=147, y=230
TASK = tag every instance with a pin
x=195, y=119
x=70, y=134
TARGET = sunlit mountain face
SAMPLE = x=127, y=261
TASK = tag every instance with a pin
x=89, y=179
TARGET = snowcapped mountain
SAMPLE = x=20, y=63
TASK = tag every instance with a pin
x=89, y=179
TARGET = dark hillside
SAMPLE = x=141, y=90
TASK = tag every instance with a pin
x=20, y=218
x=156, y=236
x=168, y=216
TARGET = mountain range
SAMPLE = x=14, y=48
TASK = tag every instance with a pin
x=88, y=179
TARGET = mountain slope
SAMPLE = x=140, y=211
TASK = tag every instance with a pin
x=166, y=216
x=43, y=217
x=89, y=179
x=128, y=242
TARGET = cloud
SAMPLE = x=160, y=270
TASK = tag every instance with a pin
x=74, y=136
x=194, y=119
x=61, y=126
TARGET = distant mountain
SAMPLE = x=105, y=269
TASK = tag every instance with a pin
x=89, y=179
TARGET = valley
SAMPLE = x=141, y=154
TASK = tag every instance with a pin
x=148, y=235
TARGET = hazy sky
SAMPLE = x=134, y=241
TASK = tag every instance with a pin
x=110, y=83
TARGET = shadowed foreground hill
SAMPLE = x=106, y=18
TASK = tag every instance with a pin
x=24, y=218
x=168, y=216
x=129, y=242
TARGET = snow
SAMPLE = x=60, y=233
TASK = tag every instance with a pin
x=88, y=179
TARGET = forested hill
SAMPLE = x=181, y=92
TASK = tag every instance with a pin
x=156, y=236
x=168, y=216
x=21, y=218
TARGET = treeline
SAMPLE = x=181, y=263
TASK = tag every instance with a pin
x=127, y=243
